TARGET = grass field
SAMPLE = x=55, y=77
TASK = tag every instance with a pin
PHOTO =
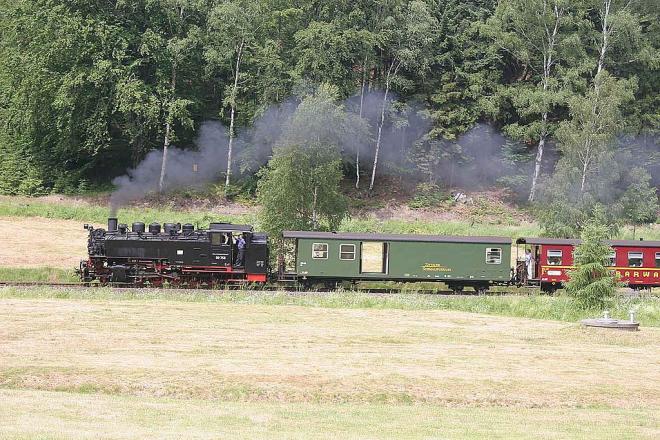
x=558, y=308
x=138, y=368
x=37, y=242
x=38, y=274
x=82, y=416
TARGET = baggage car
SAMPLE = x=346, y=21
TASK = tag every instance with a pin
x=459, y=262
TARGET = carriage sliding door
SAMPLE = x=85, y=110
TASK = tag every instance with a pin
x=373, y=257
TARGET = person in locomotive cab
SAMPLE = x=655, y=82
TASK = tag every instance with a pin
x=529, y=263
x=240, y=245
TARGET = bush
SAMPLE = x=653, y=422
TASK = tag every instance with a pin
x=428, y=195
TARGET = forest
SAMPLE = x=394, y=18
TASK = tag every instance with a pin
x=555, y=101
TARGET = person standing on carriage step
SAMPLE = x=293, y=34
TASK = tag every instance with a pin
x=240, y=244
x=529, y=263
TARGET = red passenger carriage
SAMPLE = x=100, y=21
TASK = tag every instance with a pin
x=636, y=262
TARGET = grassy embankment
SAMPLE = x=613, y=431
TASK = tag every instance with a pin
x=506, y=226
x=559, y=308
x=118, y=366
x=39, y=274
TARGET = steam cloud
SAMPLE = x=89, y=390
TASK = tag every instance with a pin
x=481, y=161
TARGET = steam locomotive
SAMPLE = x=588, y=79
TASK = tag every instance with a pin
x=177, y=254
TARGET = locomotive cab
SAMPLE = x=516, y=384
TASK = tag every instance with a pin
x=223, y=239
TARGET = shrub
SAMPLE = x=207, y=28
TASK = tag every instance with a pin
x=428, y=195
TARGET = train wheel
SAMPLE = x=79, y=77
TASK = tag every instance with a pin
x=548, y=288
x=304, y=285
x=457, y=289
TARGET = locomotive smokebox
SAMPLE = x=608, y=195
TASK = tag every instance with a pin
x=112, y=224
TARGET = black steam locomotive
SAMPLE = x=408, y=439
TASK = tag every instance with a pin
x=177, y=255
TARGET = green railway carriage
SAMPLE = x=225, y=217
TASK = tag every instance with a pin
x=457, y=261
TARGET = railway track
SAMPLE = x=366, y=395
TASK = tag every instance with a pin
x=247, y=288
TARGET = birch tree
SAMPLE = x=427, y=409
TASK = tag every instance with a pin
x=235, y=32
x=531, y=33
x=406, y=40
x=172, y=44
x=597, y=116
x=299, y=189
x=587, y=138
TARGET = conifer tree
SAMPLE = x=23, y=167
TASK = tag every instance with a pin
x=592, y=283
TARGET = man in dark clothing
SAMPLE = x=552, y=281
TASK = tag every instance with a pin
x=240, y=244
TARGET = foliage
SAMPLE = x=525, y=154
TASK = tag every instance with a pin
x=299, y=190
x=428, y=195
x=640, y=200
x=586, y=139
x=300, y=187
x=592, y=283
x=88, y=88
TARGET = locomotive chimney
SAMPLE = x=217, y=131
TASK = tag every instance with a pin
x=112, y=224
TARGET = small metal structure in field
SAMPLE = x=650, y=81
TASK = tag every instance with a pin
x=607, y=322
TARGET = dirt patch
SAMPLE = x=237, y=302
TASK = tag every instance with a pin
x=41, y=242
x=489, y=207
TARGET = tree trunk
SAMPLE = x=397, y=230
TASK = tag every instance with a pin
x=585, y=165
x=537, y=163
x=163, y=165
x=380, y=126
x=606, y=32
x=234, y=92
x=314, y=215
x=357, y=152
x=547, y=69
x=166, y=141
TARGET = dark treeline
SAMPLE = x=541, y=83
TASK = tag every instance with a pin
x=555, y=99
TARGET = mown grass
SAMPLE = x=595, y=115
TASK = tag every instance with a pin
x=173, y=369
x=70, y=415
x=41, y=274
x=557, y=308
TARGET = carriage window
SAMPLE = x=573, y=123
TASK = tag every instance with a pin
x=320, y=251
x=611, y=259
x=657, y=259
x=347, y=252
x=493, y=255
x=554, y=258
x=635, y=259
